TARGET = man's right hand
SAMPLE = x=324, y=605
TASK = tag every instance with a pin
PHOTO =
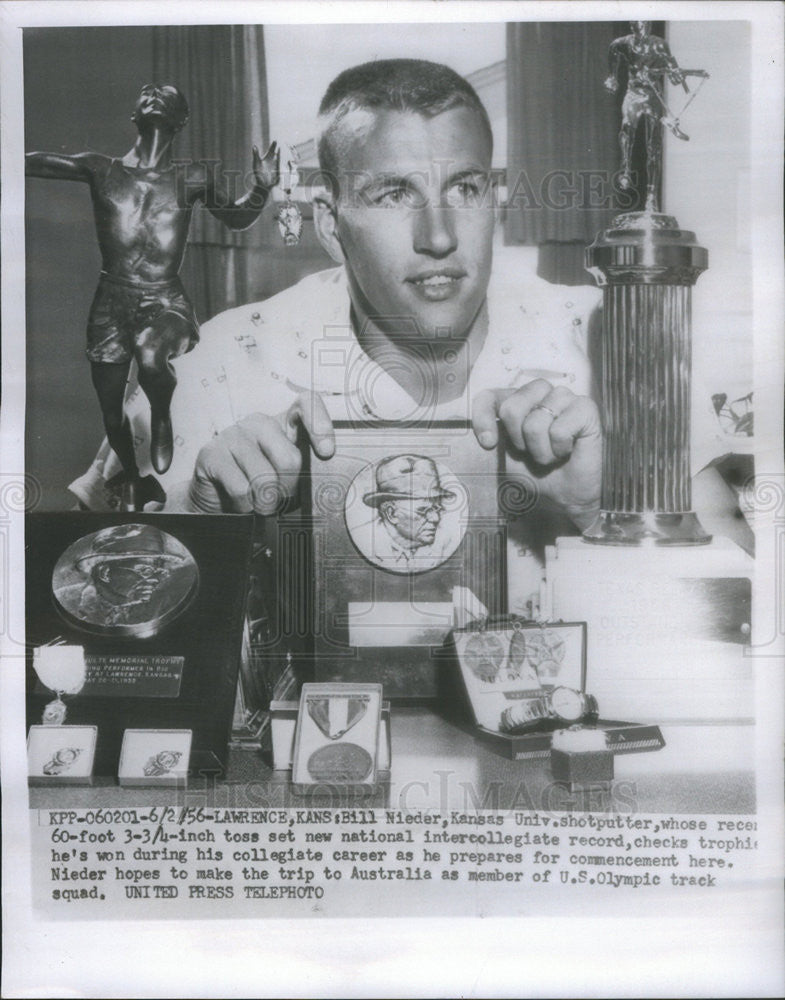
x=254, y=465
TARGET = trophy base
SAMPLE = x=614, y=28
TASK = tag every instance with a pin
x=645, y=221
x=646, y=529
x=645, y=248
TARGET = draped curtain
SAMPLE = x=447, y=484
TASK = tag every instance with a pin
x=563, y=147
x=221, y=71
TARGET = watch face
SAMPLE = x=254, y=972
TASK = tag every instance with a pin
x=567, y=703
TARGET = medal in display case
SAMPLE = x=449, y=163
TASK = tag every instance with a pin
x=524, y=682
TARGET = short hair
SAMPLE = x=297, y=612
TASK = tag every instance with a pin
x=417, y=85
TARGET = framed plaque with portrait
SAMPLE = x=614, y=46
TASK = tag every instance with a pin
x=135, y=621
x=405, y=524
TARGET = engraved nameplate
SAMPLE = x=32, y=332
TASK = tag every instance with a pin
x=133, y=676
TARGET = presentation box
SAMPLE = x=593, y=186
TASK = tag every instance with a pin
x=155, y=757
x=61, y=755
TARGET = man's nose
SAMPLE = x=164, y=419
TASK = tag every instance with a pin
x=435, y=230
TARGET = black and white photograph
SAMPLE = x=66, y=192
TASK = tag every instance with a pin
x=392, y=499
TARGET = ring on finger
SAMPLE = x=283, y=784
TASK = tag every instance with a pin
x=542, y=406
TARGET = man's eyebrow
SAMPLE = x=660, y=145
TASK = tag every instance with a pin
x=469, y=172
x=391, y=180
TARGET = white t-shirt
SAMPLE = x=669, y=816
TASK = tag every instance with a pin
x=257, y=357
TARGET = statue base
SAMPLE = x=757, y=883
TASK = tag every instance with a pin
x=135, y=493
x=613, y=527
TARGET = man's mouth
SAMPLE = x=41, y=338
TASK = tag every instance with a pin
x=437, y=284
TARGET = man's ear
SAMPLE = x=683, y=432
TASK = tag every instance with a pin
x=326, y=225
x=389, y=512
x=496, y=204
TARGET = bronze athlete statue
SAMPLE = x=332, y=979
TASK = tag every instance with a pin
x=648, y=59
x=142, y=205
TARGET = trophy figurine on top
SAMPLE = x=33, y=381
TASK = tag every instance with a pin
x=647, y=266
x=648, y=59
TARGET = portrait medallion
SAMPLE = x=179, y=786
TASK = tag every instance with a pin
x=126, y=580
x=406, y=513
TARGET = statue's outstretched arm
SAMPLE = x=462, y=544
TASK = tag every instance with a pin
x=58, y=166
x=242, y=213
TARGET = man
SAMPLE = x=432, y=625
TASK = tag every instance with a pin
x=648, y=59
x=143, y=206
x=412, y=325
x=409, y=501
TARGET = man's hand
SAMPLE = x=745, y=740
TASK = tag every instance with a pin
x=611, y=84
x=255, y=464
x=266, y=168
x=554, y=434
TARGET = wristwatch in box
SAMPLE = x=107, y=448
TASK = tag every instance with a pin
x=560, y=705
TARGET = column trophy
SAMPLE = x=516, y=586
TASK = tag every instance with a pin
x=667, y=606
x=647, y=266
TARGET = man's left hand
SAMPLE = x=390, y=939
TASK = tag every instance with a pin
x=555, y=435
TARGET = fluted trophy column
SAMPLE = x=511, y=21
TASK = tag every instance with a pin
x=647, y=266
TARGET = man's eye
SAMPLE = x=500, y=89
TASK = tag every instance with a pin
x=465, y=192
x=393, y=197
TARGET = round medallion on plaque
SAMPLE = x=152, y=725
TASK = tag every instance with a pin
x=127, y=580
x=406, y=513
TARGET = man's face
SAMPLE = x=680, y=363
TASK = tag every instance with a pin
x=415, y=219
x=640, y=28
x=130, y=581
x=416, y=521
